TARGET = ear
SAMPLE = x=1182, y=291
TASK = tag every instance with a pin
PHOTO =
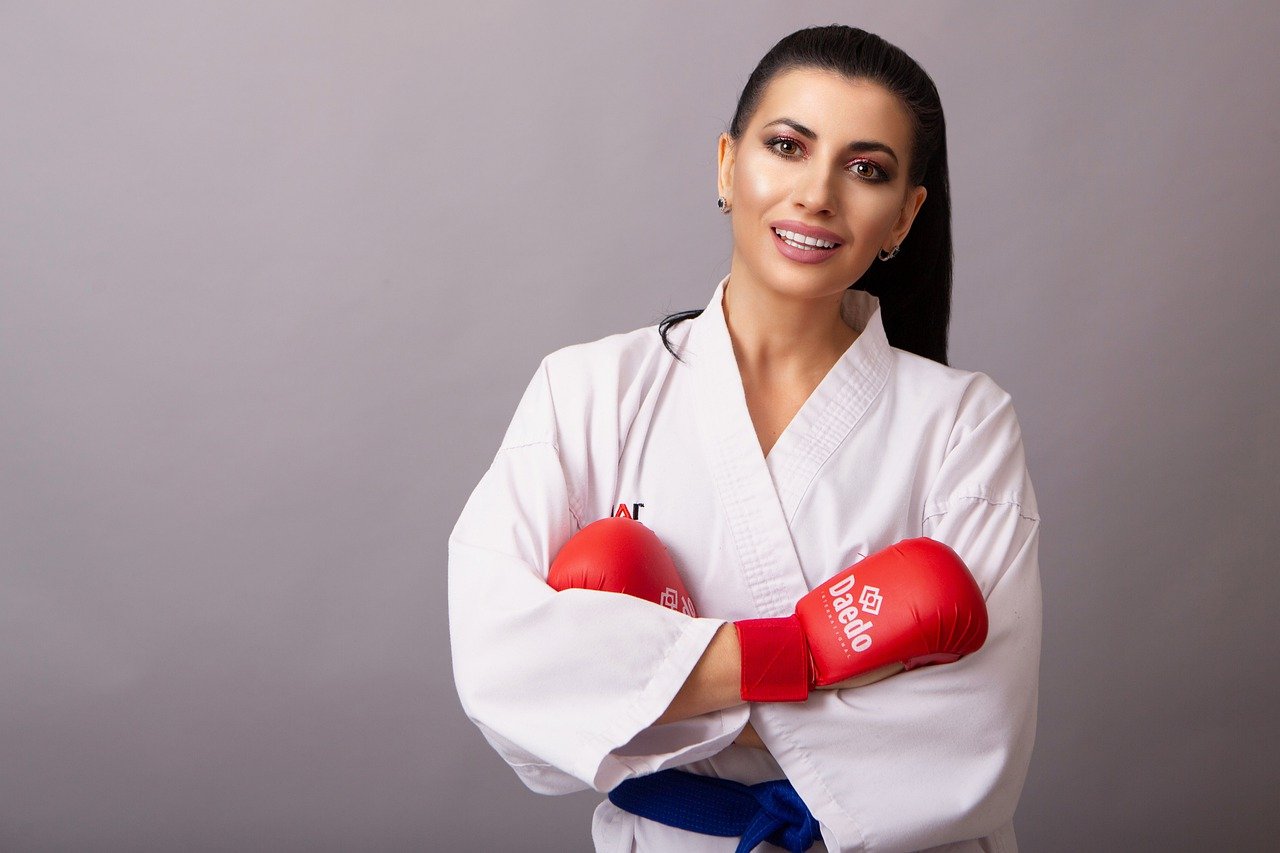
x=725, y=156
x=910, y=207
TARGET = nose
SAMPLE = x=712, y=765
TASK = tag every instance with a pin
x=813, y=189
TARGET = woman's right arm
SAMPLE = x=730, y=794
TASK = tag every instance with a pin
x=569, y=686
x=715, y=682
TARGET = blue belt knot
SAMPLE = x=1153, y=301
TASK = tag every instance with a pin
x=766, y=811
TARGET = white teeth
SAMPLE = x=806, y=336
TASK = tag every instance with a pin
x=800, y=241
x=794, y=244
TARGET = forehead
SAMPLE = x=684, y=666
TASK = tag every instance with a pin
x=836, y=108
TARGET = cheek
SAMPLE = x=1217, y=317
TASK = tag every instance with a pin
x=888, y=213
x=875, y=211
x=759, y=182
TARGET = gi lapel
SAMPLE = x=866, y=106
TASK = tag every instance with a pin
x=759, y=497
x=752, y=514
x=835, y=406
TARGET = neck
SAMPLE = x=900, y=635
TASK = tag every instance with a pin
x=779, y=336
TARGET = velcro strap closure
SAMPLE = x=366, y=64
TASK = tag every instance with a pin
x=775, y=660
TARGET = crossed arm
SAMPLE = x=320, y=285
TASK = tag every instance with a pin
x=715, y=684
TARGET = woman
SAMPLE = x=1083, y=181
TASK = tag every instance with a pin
x=807, y=418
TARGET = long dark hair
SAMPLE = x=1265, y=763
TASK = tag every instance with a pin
x=914, y=288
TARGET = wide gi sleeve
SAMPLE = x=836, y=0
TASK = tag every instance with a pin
x=565, y=685
x=938, y=754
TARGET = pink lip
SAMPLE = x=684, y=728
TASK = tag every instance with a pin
x=807, y=230
x=803, y=256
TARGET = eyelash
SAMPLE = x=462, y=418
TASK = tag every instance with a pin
x=772, y=143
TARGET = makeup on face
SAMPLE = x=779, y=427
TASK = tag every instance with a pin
x=858, y=146
x=823, y=174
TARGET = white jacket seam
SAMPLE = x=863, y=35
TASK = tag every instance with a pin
x=946, y=506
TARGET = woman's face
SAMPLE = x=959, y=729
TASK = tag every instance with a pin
x=828, y=154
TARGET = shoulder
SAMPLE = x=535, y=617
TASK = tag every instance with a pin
x=602, y=371
x=963, y=399
x=983, y=456
x=604, y=355
x=587, y=383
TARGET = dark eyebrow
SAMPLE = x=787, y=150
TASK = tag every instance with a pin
x=856, y=145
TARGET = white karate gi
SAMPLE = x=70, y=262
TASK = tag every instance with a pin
x=566, y=685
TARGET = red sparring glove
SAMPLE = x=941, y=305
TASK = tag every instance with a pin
x=620, y=555
x=913, y=603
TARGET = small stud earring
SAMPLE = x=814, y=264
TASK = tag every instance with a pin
x=722, y=204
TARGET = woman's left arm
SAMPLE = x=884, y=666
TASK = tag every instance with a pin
x=938, y=754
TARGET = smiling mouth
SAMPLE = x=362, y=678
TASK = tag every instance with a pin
x=799, y=241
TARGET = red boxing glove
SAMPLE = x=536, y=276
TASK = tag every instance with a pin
x=913, y=603
x=620, y=555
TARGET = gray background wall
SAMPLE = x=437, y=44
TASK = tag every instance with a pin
x=273, y=276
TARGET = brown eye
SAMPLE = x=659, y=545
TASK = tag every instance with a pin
x=872, y=173
x=773, y=144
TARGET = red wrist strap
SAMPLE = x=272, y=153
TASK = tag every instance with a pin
x=775, y=660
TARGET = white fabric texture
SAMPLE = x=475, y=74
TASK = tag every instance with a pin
x=566, y=686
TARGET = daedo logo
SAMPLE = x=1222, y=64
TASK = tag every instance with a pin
x=842, y=599
x=674, y=600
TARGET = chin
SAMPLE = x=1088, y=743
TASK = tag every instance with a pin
x=806, y=281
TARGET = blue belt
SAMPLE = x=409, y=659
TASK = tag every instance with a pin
x=768, y=811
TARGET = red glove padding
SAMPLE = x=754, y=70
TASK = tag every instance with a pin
x=620, y=555
x=913, y=603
